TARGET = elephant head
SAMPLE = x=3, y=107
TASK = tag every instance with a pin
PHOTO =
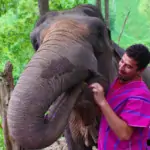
x=67, y=56
x=82, y=10
x=49, y=17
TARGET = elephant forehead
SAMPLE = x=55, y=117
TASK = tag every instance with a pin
x=65, y=26
x=79, y=25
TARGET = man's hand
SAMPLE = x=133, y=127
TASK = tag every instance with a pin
x=98, y=92
x=119, y=126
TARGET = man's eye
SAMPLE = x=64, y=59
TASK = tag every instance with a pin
x=130, y=67
x=121, y=61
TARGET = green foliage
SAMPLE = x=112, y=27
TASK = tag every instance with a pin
x=6, y=5
x=65, y=4
x=2, y=146
x=144, y=8
x=137, y=27
x=15, y=44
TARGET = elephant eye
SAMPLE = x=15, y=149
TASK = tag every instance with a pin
x=100, y=34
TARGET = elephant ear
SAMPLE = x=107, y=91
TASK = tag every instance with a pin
x=99, y=35
x=118, y=50
x=89, y=10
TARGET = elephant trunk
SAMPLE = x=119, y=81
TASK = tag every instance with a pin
x=29, y=102
x=53, y=70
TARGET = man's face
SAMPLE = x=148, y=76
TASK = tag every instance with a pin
x=128, y=69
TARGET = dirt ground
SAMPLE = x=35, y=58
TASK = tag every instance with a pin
x=60, y=145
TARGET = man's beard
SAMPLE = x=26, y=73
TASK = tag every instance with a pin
x=122, y=78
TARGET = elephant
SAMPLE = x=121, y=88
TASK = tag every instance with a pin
x=89, y=126
x=52, y=92
x=73, y=48
x=78, y=130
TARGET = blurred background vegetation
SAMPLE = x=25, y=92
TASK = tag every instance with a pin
x=17, y=19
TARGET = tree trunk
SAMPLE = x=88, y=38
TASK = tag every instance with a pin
x=98, y=4
x=6, y=87
x=43, y=6
x=107, y=12
x=123, y=26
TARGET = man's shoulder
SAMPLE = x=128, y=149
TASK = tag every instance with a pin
x=141, y=91
x=137, y=88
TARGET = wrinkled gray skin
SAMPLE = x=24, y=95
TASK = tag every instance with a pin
x=71, y=52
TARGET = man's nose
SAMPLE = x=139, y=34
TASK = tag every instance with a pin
x=121, y=67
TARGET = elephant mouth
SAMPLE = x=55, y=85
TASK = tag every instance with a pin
x=51, y=113
x=62, y=101
x=55, y=107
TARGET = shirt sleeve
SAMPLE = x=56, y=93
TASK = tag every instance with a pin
x=136, y=112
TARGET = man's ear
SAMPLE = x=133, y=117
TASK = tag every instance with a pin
x=141, y=71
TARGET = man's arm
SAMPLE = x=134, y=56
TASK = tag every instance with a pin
x=119, y=126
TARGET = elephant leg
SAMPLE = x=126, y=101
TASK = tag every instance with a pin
x=70, y=143
x=88, y=148
x=80, y=132
x=73, y=145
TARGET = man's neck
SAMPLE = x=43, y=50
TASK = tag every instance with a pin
x=137, y=78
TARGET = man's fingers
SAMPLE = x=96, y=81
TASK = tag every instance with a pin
x=96, y=87
x=94, y=90
x=93, y=85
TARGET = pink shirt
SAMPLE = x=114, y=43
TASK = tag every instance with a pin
x=131, y=102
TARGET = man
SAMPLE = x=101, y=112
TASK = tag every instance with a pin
x=126, y=109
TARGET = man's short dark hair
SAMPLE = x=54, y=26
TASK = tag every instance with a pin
x=140, y=54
